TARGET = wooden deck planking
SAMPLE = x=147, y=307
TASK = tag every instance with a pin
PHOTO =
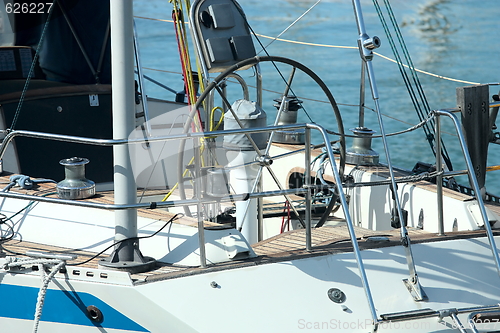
x=494, y=207
x=107, y=197
x=296, y=239
x=19, y=248
x=284, y=247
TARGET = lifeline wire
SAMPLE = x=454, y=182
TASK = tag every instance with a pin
x=414, y=127
x=323, y=45
x=276, y=67
x=287, y=28
x=408, y=179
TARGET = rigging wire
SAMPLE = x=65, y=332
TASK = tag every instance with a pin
x=272, y=62
x=32, y=69
x=291, y=25
x=398, y=62
x=347, y=104
x=416, y=92
x=327, y=46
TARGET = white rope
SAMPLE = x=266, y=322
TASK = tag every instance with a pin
x=273, y=39
x=45, y=280
x=291, y=25
x=15, y=262
x=43, y=290
x=376, y=53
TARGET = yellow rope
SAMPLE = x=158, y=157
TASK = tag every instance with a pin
x=427, y=73
x=189, y=81
x=183, y=175
x=376, y=53
x=184, y=51
x=186, y=59
x=202, y=140
x=493, y=168
x=212, y=128
x=154, y=19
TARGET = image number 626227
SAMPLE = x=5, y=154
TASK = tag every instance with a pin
x=28, y=8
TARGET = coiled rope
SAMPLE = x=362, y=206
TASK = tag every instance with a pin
x=25, y=182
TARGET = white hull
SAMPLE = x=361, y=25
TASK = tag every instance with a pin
x=454, y=274
x=176, y=237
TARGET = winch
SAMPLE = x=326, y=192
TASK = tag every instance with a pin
x=361, y=152
x=289, y=117
x=75, y=185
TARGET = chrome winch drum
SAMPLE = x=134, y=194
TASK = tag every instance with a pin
x=75, y=185
x=361, y=152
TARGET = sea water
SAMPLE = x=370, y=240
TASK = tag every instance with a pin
x=455, y=39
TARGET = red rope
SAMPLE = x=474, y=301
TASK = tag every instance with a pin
x=176, y=16
x=286, y=208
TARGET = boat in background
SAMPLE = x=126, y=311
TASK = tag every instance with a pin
x=207, y=214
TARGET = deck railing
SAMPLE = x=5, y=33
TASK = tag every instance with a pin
x=198, y=135
x=305, y=190
x=472, y=179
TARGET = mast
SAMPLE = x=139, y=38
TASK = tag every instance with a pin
x=126, y=254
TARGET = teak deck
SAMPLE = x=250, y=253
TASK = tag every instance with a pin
x=286, y=246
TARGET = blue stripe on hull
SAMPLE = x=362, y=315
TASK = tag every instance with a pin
x=61, y=306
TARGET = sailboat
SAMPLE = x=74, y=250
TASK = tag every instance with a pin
x=206, y=214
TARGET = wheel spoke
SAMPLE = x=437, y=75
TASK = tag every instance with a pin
x=263, y=155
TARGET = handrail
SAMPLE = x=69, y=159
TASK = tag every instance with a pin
x=430, y=313
x=109, y=142
x=473, y=180
x=483, y=312
x=152, y=204
x=350, y=225
x=113, y=142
